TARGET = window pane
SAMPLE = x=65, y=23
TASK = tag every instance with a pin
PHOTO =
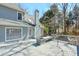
x=19, y=16
x=13, y=33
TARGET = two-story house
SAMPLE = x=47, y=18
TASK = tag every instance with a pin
x=12, y=24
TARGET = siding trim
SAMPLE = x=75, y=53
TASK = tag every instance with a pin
x=5, y=34
x=21, y=33
x=28, y=33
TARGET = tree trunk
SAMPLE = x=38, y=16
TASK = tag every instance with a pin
x=64, y=24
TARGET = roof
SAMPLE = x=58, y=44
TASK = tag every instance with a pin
x=14, y=6
x=30, y=19
x=7, y=22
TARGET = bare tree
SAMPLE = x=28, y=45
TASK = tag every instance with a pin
x=76, y=15
x=55, y=10
x=64, y=7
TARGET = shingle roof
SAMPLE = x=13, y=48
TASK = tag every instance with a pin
x=14, y=6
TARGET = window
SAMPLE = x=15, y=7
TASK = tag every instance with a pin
x=19, y=16
x=13, y=33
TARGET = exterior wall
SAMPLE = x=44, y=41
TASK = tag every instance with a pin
x=2, y=34
x=8, y=13
x=3, y=39
x=11, y=14
x=25, y=34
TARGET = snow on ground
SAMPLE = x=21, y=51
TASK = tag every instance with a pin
x=51, y=48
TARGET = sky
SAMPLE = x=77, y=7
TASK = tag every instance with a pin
x=42, y=7
x=30, y=7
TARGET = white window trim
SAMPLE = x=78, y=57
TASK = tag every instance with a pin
x=13, y=39
x=28, y=35
x=17, y=15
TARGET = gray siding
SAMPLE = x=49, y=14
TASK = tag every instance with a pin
x=8, y=13
x=2, y=34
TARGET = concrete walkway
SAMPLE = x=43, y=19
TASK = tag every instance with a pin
x=51, y=48
x=13, y=48
x=27, y=48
